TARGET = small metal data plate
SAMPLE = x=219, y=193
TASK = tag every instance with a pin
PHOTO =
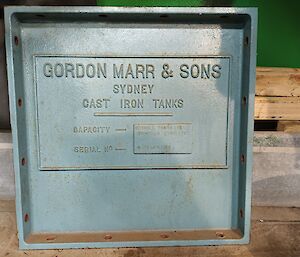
x=115, y=112
x=131, y=127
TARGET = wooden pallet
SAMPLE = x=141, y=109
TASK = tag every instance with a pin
x=275, y=232
x=278, y=97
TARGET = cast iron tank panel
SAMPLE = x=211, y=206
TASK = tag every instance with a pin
x=131, y=126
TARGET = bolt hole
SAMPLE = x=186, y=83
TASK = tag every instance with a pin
x=244, y=100
x=20, y=102
x=220, y=235
x=242, y=158
x=164, y=16
x=26, y=217
x=23, y=161
x=40, y=15
x=246, y=41
x=107, y=237
x=164, y=236
x=16, y=39
x=241, y=213
x=102, y=15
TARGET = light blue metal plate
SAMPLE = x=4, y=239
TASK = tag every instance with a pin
x=131, y=126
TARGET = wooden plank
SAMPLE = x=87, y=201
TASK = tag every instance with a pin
x=278, y=94
x=278, y=108
x=277, y=81
x=267, y=239
x=289, y=126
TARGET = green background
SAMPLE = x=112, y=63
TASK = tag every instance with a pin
x=278, y=25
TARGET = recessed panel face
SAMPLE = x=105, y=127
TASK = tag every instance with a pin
x=132, y=112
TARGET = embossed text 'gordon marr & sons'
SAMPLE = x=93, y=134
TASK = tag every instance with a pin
x=129, y=71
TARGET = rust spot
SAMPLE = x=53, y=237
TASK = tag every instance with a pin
x=220, y=235
x=26, y=217
x=16, y=39
x=20, y=102
x=51, y=238
x=164, y=236
x=241, y=213
x=243, y=158
x=107, y=237
x=23, y=161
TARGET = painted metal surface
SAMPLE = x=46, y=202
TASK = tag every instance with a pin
x=130, y=122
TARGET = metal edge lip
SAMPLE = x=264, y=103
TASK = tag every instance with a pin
x=13, y=121
x=125, y=244
x=250, y=125
x=100, y=9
